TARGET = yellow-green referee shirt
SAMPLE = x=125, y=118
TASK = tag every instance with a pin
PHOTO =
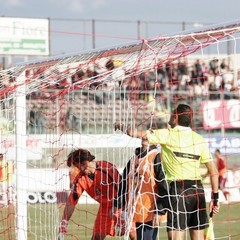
x=183, y=150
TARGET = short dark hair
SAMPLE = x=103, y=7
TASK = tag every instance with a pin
x=218, y=151
x=185, y=115
x=78, y=156
x=1, y=155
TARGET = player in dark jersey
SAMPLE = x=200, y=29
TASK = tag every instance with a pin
x=143, y=192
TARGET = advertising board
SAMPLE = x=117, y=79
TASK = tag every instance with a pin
x=24, y=36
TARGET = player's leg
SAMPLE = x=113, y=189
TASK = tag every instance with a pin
x=144, y=231
x=98, y=236
x=133, y=234
x=176, y=222
x=198, y=220
x=188, y=210
x=196, y=234
x=157, y=221
x=104, y=223
x=176, y=234
x=155, y=233
x=177, y=216
x=222, y=186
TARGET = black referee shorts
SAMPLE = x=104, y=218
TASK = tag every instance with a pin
x=187, y=206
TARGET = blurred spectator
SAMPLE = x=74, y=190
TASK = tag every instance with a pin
x=173, y=77
x=41, y=122
x=37, y=121
x=198, y=67
x=6, y=172
x=183, y=76
x=112, y=82
x=213, y=65
x=168, y=69
x=222, y=171
x=78, y=76
x=218, y=80
x=161, y=77
x=92, y=75
x=114, y=79
x=194, y=76
x=228, y=78
x=100, y=94
x=72, y=121
x=32, y=120
x=213, y=92
x=223, y=64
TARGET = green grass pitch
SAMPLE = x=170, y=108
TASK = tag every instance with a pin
x=42, y=220
x=226, y=223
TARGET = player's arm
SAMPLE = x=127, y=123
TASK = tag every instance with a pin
x=162, y=188
x=67, y=214
x=132, y=132
x=120, y=200
x=75, y=193
x=68, y=211
x=213, y=173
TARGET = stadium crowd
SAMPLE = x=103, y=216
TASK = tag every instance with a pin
x=196, y=79
x=195, y=76
x=199, y=78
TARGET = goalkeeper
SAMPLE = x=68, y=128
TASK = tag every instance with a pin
x=100, y=180
x=183, y=150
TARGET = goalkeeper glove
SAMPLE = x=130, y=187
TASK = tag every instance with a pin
x=62, y=229
x=120, y=224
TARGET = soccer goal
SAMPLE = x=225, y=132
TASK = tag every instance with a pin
x=52, y=106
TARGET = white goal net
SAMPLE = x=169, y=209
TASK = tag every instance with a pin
x=52, y=106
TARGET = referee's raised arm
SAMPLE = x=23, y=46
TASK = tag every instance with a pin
x=132, y=132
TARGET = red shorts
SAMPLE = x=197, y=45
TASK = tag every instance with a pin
x=104, y=222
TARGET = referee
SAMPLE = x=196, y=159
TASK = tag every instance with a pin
x=183, y=151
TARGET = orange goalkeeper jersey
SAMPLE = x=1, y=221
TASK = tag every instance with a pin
x=102, y=186
x=144, y=187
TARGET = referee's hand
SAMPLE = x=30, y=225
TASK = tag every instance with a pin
x=214, y=207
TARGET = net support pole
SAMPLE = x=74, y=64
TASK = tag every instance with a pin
x=21, y=159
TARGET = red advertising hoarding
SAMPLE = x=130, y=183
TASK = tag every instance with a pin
x=221, y=114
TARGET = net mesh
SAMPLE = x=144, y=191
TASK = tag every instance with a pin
x=73, y=101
